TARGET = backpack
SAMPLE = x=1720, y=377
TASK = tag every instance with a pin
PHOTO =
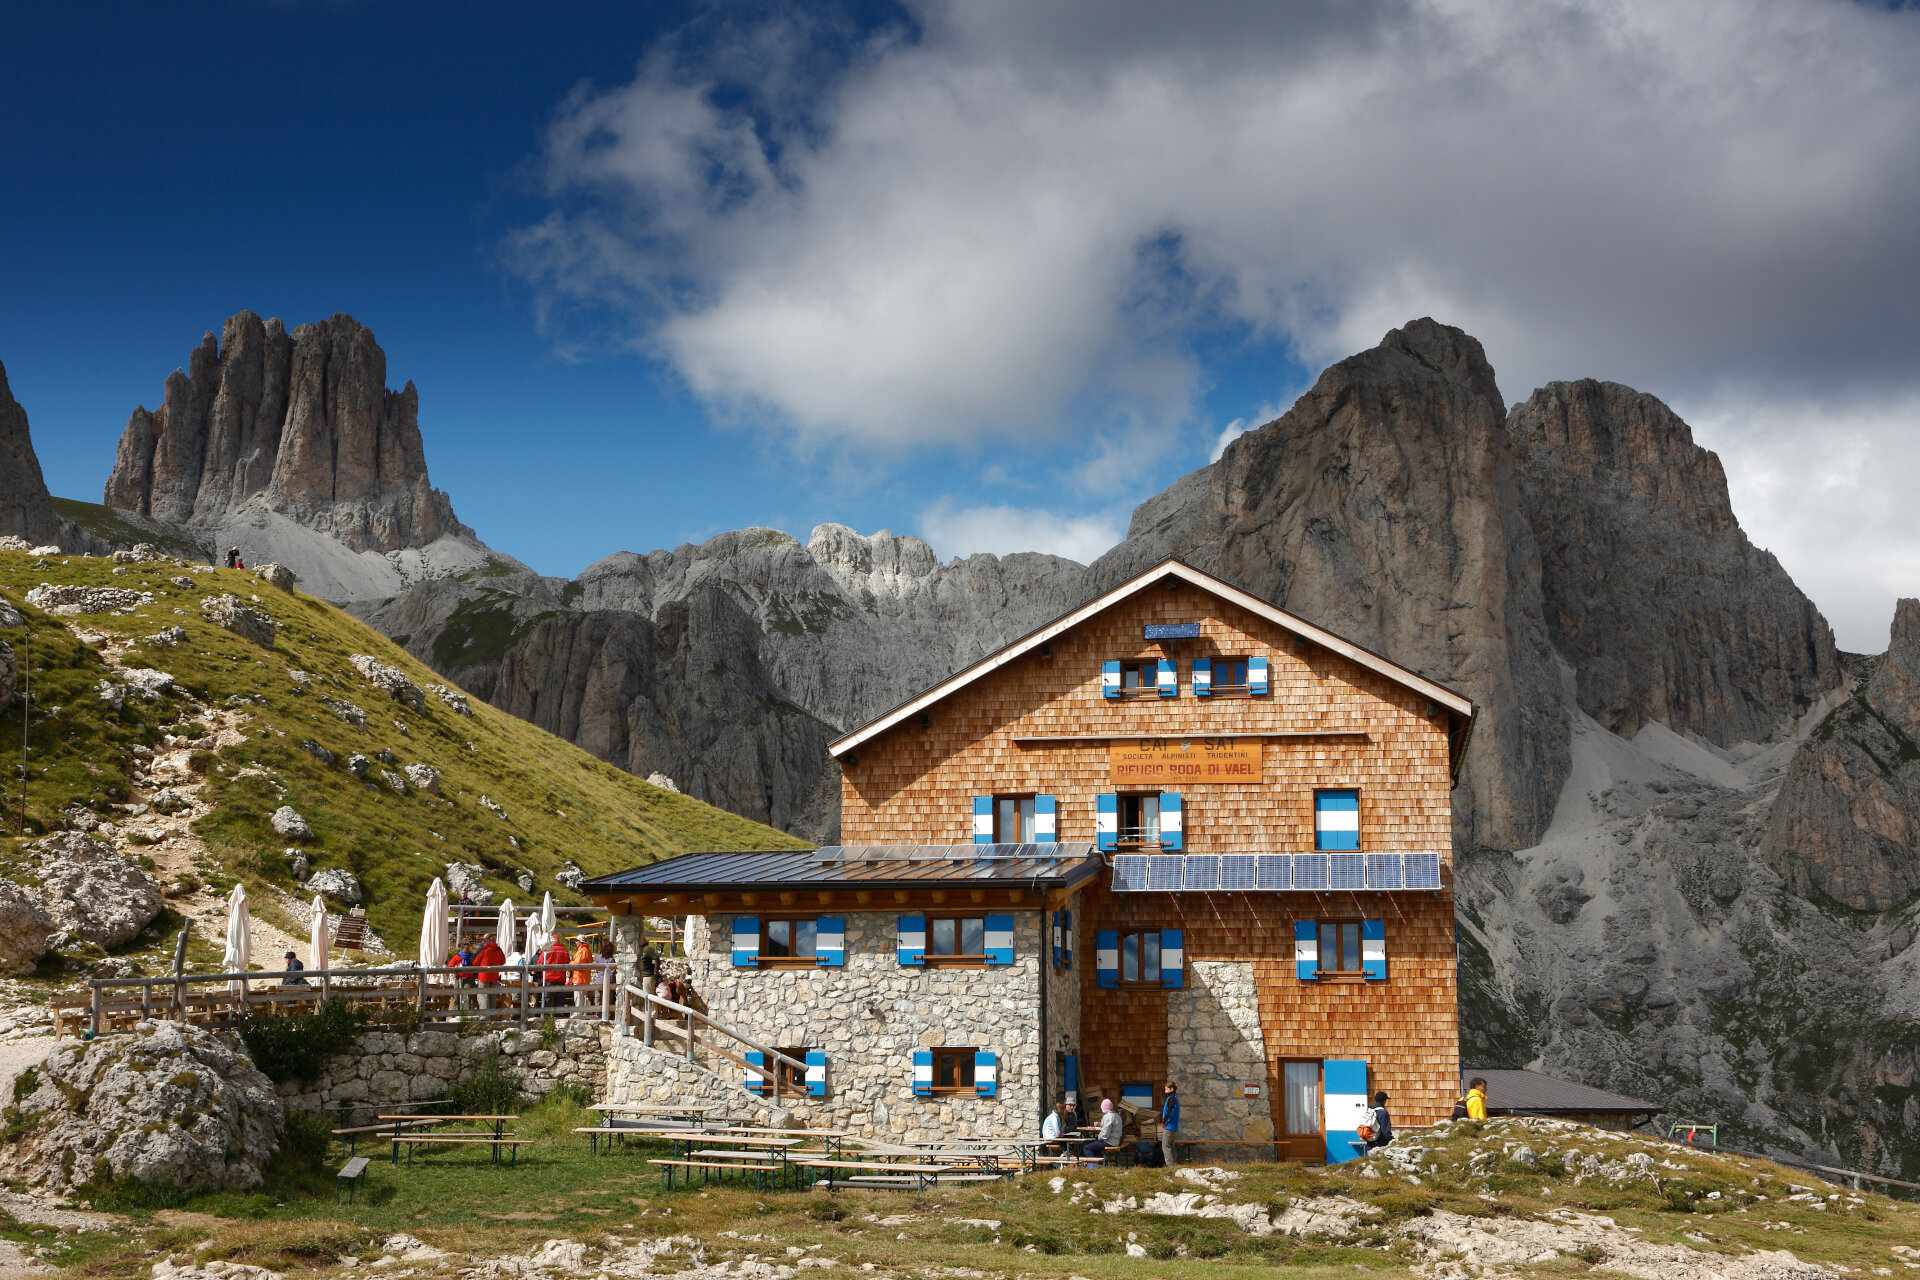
x=1365, y=1133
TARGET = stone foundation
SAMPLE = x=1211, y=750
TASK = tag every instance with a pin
x=381, y=1067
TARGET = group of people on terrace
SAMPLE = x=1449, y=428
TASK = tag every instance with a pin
x=577, y=986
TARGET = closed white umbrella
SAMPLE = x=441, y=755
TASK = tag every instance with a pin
x=239, y=940
x=433, y=927
x=547, y=923
x=503, y=926
x=317, y=938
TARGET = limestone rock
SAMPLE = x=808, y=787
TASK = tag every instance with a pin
x=463, y=881
x=298, y=424
x=394, y=780
x=91, y=893
x=26, y=508
x=348, y=713
x=9, y=675
x=338, y=884
x=452, y=697
x=317, y=751
x=171, y=1104
x=662, y=781
x=166, y=638
x=65, y=601
x=424, y=777
x=9, y=616
x=24, y=926
x=288, y=822
x=357, y=765
x=389, y=680
x=150, y=684
x=571, y=877
x=243, y=620
x=110, y=693
x=167, y=800
x=297, y=864
x=276, y=575
x=493, y=808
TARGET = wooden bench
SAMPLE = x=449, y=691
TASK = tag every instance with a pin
x=878, y=1172
x=392, y=1127
x=668, y=1166
x=410, y=1141
x=349, y=1177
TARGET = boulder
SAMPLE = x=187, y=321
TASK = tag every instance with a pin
x=424, y=777
x=389, y=680
x=171, y=1104
x=10, y=616
x=276, y=575
x=570, y=877
x=92, y=893
x=243, y=620
x=394, y=780
x=148, y=683
x=165, y=638
x=288, y=822
x=357, y=765
x=662, y=781
x=24, y=927
x=9, y=675
x=452, y=697
x=463, y=881
x=493, y=808
x=338, y=884
x=51, y=549
x=110, y=693
x=67, y=601
x=348, y=713
x=167, y=800
x=297, y=864
x=317, y=751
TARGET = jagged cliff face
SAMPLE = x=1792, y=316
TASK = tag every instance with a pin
x=26, y=510
x=300, y=424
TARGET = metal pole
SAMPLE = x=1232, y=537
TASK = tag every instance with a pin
x=26, y=719
x=179, y=968
x=420, y=1001
x=523, y=999
x=95, y=984
x=646, y=1016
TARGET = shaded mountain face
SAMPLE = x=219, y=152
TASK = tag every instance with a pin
x=26, y=509
x=301, y=424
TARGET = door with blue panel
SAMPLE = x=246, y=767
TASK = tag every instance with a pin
x=1346, y=1107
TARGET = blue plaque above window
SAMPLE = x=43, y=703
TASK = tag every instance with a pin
x=1173, y=631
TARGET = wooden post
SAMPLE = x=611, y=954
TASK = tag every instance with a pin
x=420, y=1001
x=179, y=969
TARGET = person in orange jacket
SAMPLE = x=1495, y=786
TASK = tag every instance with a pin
x=556, y=953
x=581, y=980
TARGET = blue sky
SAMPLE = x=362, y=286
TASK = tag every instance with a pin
x=988, y=272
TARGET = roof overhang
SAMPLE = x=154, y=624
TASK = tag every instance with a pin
x=1457, y=703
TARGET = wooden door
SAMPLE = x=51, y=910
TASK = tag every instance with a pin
x=1302, y=1135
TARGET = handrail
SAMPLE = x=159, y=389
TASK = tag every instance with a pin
x=775, y=1058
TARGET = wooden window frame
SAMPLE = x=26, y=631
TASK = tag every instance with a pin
x=1120, y=954
x=766, y=961
x=1144, y=668
x=963, y=1064
x=788, y=1077
x=1338, y=923
x=999, y=837
x=1226, y=689
x=1120, y=842
x=934, y=960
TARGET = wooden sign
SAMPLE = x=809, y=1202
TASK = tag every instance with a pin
x=1156, y=762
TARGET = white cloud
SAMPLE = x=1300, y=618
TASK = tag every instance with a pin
x=1002, y=530
x=1260, y=417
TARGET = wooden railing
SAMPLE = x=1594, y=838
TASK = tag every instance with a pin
x=437, y=995
x=639, y=1008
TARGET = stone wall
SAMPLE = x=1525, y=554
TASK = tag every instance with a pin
x=1215, y=1046
x=1061, y=989
x=636, y=1073
x=872, y=1013
x=383, y=1067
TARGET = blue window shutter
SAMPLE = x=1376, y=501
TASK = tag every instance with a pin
x=1373, y=949
x=1106, y=946
x=923, y=1071
x=986, y=1081
x=1056, y=940
x=1066, y=929
x=913, y=940
x=1073, y=1074
x=1169, y=678
x=1106, y=826
x=756, y=1071
x=1171, y=826
x=1306, y=950
x=830, y=942
x=1173, y=959
x=1203, y=677
x=1345, y=1086
x=999, y=931
x=1110, y=679
x=983, y=819
x=746, y=941
x=817, y=1073
x=1336, y=820
x=1256, y=675
x=1046, y=819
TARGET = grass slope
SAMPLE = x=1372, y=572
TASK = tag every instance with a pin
x=559, y=802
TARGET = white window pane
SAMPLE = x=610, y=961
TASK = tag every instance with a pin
x=940, y=938
x=1150, y=955
x=805, y=935
x=973, y=937
x=1301, y=1084
x=1130, y=958
x=1026, y=820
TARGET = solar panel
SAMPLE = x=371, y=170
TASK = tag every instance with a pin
x=1383, y=871
x=1422, y=871
x=1348, y=871
x=1165, y=872
x=1309, y=870
x=1238, y=872
x=1275, y=872
x=1129, y=872
x=1203, y=872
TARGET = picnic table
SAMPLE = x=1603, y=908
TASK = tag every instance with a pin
x=878, y=1172
x=497, y=1139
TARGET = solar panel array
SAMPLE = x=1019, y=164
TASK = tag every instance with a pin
x=1274, y=872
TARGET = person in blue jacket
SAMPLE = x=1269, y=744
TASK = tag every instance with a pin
x=1169, y=1123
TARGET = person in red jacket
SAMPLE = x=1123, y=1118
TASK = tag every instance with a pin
x=556, y=953
x=490, y=954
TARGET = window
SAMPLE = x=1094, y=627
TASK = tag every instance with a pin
x=1139, y=822
x=953, y=1071
x=1140, y=958
x=960, y=938
x=1013, y=819
x=795, y=941
x=1340, y=947
x=1229, y=675
x=792, y=1077
x=1140, y=676
x=1336, y=821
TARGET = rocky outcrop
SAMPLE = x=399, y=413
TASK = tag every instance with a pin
x=24, y=927
x=243, y=620
x=171, y=1104
x=26, y=508
x=91, y=893
x=302, y=424
x=1846, y=826
x=1653, y=595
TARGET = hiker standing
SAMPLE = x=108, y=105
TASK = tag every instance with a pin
x=556, y=953
x=1382, y=1123
x=581, y=980
x=489, y=954
x=1169, y=1123
x=233, y=557
x=1477, y=1098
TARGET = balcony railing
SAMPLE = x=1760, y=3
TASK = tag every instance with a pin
x=1273, y=872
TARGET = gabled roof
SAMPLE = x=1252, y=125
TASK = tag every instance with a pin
x=1536, y=1094
x=1170, y=568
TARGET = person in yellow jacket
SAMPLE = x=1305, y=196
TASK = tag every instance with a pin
x=1477, y=1098
x=581, y=980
